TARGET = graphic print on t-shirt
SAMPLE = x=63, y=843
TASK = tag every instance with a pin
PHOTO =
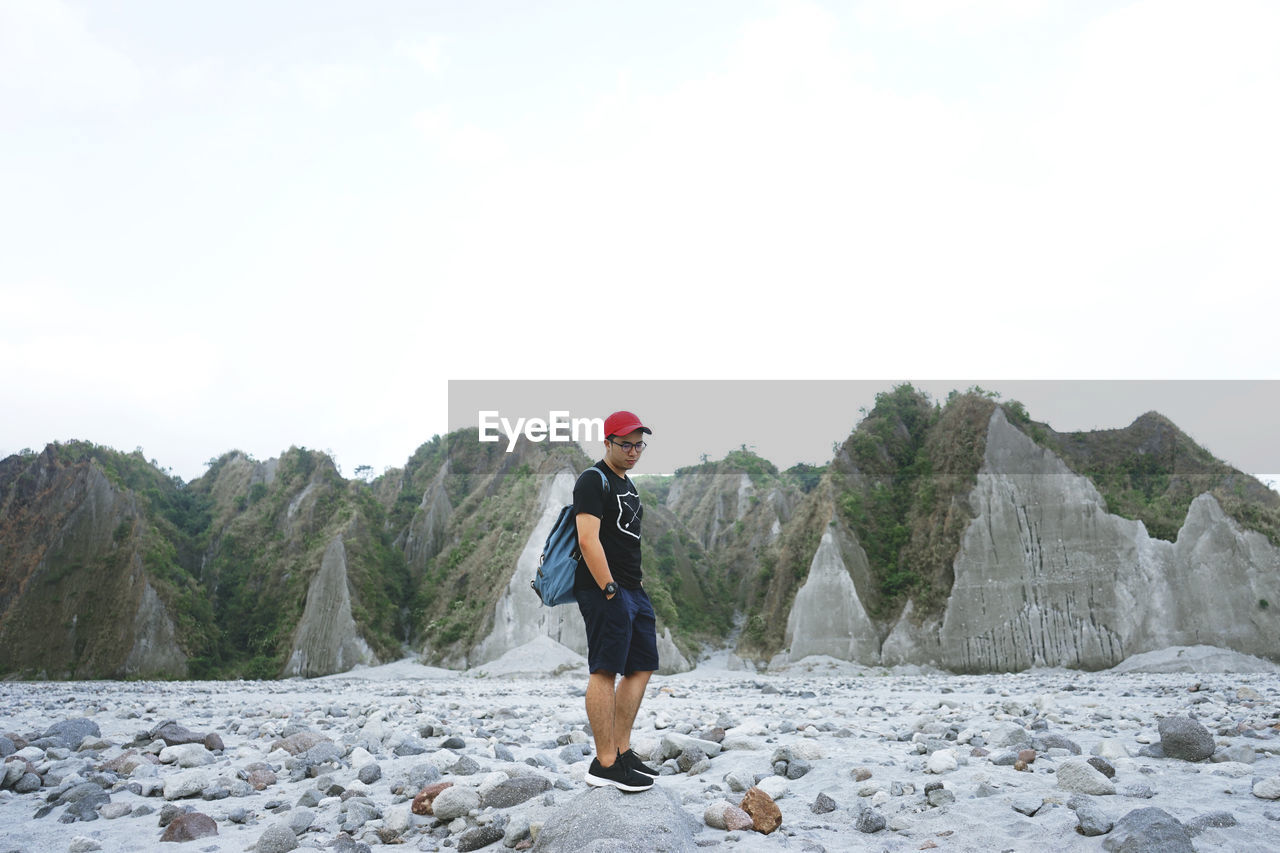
x=629, y=514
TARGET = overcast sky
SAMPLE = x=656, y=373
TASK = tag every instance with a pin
x=251, y=225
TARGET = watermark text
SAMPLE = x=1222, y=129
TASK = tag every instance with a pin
x=558, y=426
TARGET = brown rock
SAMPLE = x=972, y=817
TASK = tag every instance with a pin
x=260, y=776
x=126, y=762
x=427, y=796
x=213, y=742
x=189, y=827
x=1020, y=766
x=1027, y=755
x=861, y=774
x=764, y=812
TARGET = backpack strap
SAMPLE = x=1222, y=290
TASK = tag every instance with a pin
x=603, y=479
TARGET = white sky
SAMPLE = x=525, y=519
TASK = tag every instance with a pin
x=251, y=225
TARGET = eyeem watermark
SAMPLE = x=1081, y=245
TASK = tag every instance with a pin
x=558, y=426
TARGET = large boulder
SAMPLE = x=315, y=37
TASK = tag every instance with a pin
x=1149, y=830
x=607, y=819
x=1185, y=738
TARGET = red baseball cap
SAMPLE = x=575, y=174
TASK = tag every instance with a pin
x=623, y=423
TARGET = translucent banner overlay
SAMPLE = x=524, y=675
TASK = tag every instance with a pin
x=788, y=421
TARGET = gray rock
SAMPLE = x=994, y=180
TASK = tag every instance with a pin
x=517, y=830
x=26, y=783
x=1267, y=789
x=6, y=747
x=174, y=734
x=1092, y=820
x=1212, y=820
x=1186, y=739
x=940, y=796
x=410, y=746
x=1028, y=805
x=823, y=805
x=1046, y=742
x=420, y=776
x=1148, y=830
x=324, y=752
x=360, y=811
x=649, y=822
x=1009, y=736
x=739, y=780
x=298, y=820
x=870, y=821
x=1138, y=791
x=369, y=773
x=83, y=800
x=277, y=838
x=512, y=792
x=465, y=766
x=454, y=802
x=1080, y=776
x=69, y=733
x=689, y=757
x=10, y=772
x=797, y=767
x=1240, y=752
x=480, y=836
x=344, y=843
x=1102, y=766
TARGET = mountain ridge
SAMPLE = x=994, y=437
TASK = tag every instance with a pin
x=110, y=567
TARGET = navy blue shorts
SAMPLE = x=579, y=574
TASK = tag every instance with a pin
x=622, y=633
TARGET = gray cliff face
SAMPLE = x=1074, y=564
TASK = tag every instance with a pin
x=912, y=643
x=1045, y=576
x=712, y=506
x=327, y=639
x=80, y=569
x=827, y=617
x=430, y=522
x=519, y=616
x=155, y=641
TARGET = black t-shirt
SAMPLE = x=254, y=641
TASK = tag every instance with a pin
x=619, y=513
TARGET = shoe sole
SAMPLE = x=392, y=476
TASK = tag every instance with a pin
x=601, y=782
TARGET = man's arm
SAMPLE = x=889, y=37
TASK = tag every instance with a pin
x=592, y=550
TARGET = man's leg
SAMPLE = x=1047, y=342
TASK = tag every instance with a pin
x=627, y=698
x=601, y=710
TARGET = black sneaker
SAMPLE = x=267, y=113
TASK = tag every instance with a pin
x=630, y=759
x=618, y=775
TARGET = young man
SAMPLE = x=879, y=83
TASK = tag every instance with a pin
x=621, y=632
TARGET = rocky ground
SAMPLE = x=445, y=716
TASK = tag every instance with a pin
x=845, y=758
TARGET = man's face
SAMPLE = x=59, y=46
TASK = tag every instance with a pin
x=619, y=457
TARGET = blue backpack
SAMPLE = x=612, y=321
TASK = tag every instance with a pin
x=558, y=565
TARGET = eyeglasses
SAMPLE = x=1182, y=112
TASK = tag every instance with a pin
x=628, y=446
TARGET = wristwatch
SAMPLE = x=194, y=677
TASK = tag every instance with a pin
x=610, y=588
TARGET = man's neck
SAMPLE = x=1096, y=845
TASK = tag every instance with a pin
x=622, y=474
